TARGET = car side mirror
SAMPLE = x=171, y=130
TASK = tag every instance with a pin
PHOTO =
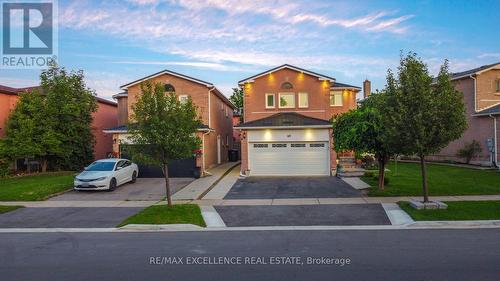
x=118, y=168
x=85, y=168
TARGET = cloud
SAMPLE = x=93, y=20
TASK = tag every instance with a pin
x=195, y=64
x=489, y=55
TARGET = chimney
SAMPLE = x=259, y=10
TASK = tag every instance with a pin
x=367, y=88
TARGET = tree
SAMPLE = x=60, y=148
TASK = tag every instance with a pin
x=424, y=116
x=363, y=130
x=163, y=129
x=469, y=151
x=30, y=134
x=237, y=99
x=69, y=105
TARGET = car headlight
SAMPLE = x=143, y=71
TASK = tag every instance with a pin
x=100, y=179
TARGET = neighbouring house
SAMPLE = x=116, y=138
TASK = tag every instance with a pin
x=481, y=94
x=287, y=130
x=236, y=132
x=215, y=110
x=104, y=117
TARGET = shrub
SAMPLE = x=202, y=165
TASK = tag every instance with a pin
x=469, y=151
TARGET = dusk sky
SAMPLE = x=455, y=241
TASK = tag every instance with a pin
x=222, y=41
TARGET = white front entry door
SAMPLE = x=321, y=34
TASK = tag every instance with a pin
x=289, y=158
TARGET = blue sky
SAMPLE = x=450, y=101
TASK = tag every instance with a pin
x=222, y=41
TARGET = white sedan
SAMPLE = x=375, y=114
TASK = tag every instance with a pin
x=106, y=174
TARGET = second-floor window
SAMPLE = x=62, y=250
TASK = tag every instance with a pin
x=336, y=98
x=498, y=85
x=183, y=98
x=303, y=100
x=270, y=101
x=287, y=100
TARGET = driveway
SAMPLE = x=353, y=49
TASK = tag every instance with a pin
x=66, y=217
x=304, y=215
x=291, y=187
x=143, y=189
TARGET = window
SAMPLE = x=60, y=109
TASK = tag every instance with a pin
x=498, y=85
x=260, y=145
x=336, y=98
x=227, y=140
x=226, y=112
x=298, y=145
x=287, y=86
x=303, y=100
x=287, y=100
x=169, y=88
x=317, y=145
x=279, y=145
x=270, y=101
x=183, y=98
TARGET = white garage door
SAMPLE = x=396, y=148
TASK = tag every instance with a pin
x=289, y=158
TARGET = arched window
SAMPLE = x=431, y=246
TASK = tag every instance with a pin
x=286, y=86
x=169, y=88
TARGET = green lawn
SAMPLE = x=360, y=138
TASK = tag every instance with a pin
x=442, y=179
x=457, y=210
x=5, y=209
x=162, y=214
x=35, y=188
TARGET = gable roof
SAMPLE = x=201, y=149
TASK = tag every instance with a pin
x=476, y=70
x=15, y=91
x=169, y=72
x=123, y=129
x=288, y=66
x=286, y=120
x=166, y=71
x=493, y=110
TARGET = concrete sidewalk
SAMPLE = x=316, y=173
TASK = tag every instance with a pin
x=224, y=185
x=195, y=189
x=234, y=202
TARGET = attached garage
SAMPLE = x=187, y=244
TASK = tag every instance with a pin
x=289, y=158
x=289, y=152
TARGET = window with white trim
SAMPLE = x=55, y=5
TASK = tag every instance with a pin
x=336, y=98
x=287, y=100
x=270, y=103
x=183, y=98
x=303, y=100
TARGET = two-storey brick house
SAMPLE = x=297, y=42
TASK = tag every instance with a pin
x=214, y=109
x=288, y=129
x=481, y=95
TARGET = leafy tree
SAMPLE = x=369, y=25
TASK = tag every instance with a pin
x=424, y=116
x=30, y=134
x=237, y=99
x=163, y=129
x=69, y=105
x=364, y=131
x=469, y=151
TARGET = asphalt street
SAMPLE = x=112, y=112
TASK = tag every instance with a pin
x=372, y=255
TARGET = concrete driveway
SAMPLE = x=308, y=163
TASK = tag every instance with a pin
x=291, y=187
x=143, y=189
x=66, y=217
x=304, y=215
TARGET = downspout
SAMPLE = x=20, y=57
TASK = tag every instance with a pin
x=475, y=95
x=205, y=172
x=495, y=142
x=209, y=107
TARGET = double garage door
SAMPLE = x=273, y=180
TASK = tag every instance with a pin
x=289, y=158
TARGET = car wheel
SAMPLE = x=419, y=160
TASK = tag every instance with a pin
x=134, y=177
x=112, y=184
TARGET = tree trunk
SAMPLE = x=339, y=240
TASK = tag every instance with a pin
x=28, y=168
x=44, y=165
x=424, y=178
x=381, y=173
x=167, y=184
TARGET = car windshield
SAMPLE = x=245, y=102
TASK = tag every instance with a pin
x=101, y=166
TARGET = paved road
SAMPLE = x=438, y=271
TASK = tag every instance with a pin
x=291, y=187
x=301, y=215
x=375, y=255
x=66, y=217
